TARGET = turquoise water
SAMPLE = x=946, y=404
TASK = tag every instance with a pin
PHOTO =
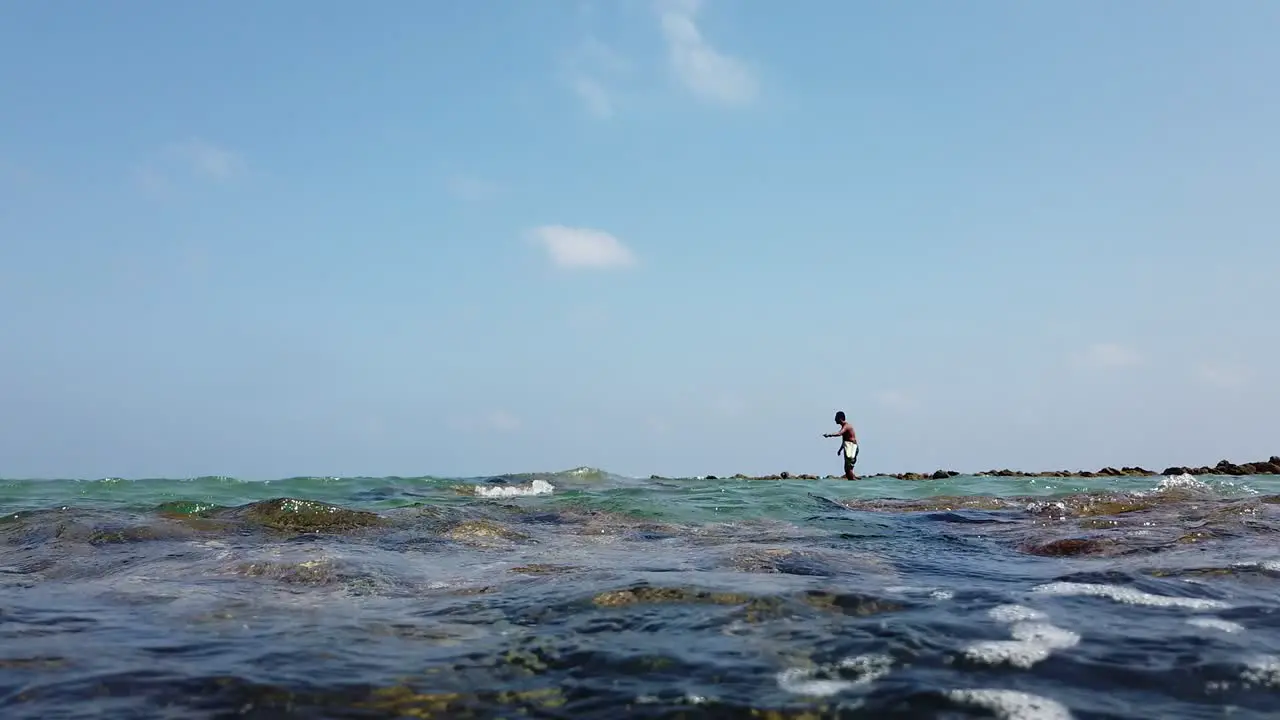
x=585, y=594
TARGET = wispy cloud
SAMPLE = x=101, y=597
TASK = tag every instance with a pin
x=208, y=160
x=471, y=189
x=709, y=74
x=1223, y=375
x=1108, y=355
x=593, y=96
x=593, y=70
x=504, y=421
x=583, y=248
x=152, y=181
x=192, y=158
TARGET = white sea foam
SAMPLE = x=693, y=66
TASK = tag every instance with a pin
x=942, y=595
x=868, y=667
x=1211, y=623
x=806, y=681
x=801, y=681
x=1184, y=481
x=1014, y=613
x=1032, y=643
x=1262, y=671
x=1012, y=704
x=537, y=487
x=1127, y=595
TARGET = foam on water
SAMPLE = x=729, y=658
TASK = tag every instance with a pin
x=1012, y=704
x=1127, y=595
x=1212, y=623
x=1014, y=613
x=1032, y=643
x=1262, y=671
x=537, y=487
x=866, y=669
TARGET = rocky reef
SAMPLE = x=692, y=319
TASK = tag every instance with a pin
x=1271, y=466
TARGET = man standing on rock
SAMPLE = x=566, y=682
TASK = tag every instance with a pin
x=848, y=444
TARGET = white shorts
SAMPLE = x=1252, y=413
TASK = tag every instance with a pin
x=850, y=452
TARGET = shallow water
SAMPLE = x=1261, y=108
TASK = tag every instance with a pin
x=583, y=595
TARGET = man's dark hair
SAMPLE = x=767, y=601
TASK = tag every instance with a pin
x=840, y=416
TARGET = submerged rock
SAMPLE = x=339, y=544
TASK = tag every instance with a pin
x=1069, y=547
x=482, y=530
x=850, y=603
x=307, y=516
x=650, y=595
x=543, y=569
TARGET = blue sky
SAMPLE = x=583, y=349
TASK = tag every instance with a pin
x=287, y=238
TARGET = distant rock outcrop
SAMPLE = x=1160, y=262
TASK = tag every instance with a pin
x=1270, y=466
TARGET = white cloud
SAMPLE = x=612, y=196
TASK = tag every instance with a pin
x=709, y=74
x=589, y=66
x=193, y=157
x=471, y=189
x=583, y=248
x=209, y=160
x=1224, y=376
x=593, y=96
x=504, y=421
x=1108, y=355
x=152, y=181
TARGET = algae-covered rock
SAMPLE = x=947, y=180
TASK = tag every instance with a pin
x=308, y=516
x=138, y=533
x=1069, y=547
x=308, y=572
x=403, y=701
x=543, y=569
x=650, y=595
x=482, y=530
x=849, y=603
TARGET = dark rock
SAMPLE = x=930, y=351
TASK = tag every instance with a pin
x=784, y=475
x=307, y=516
x=1067, y=547
x=712, y=477
x=1266, y=468
x=1175, y=470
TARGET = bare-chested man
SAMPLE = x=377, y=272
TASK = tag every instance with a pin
x=848, y=445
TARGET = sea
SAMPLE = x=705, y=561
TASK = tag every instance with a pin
x=585, y=594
